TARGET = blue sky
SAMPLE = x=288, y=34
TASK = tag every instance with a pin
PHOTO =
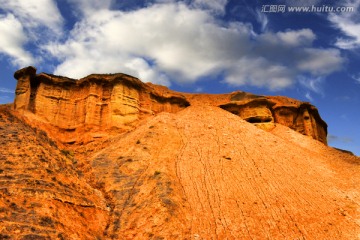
x=212, y=46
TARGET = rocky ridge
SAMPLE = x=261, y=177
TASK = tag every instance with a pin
x=118, y=101
x=188, y=166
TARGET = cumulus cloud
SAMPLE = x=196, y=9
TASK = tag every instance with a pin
x=259, y=72
x=320, y=61
x=162, y=42
x=27, y=22
x=12, y=41
x=182, y=42
x=174, y=41
x=349, y=24
x=35, y=14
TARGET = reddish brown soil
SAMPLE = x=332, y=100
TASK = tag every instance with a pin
x=201, y=173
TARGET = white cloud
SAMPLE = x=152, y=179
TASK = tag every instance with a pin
x=309, y=97
x=320, y=61
x=27, y=22
x=12, y=41
x=88, y=7
x=259, y=72
x=6, y=90
x=182, y=42
x=349, y=24
x=33, y=14
x=312, y=84
x=303, y=37
x=177, y=42
x=262, y=19
x=215, y=6
x=356, y=77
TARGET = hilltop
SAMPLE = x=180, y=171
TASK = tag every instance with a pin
x=110, y=157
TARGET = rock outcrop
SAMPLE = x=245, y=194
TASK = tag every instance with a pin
x=265, y=112
x=97, y=102
x=110, y=157
x=118, y=101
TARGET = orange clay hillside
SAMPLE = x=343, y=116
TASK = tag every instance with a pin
x=110, y=157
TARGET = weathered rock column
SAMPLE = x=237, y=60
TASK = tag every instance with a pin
x=23, y=88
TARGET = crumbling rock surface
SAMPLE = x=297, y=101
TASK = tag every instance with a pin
x=109, y=157
x=264, y=112
x=42, y=193
x=118, y=101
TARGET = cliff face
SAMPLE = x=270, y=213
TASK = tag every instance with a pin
x=97, y=102
x=265, y=112
x=118, y=101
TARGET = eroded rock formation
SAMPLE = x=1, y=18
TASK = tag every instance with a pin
x=198, y=173
x=97, y=102
x=106, y=101
x=264, y=112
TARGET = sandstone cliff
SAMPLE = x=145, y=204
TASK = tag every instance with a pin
x=119, y=102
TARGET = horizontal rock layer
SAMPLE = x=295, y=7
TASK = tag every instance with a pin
x=101, y=102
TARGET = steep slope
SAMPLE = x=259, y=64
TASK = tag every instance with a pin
x=42, y=193
x=204, y=173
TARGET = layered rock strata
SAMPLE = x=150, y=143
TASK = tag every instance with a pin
x=118, y=101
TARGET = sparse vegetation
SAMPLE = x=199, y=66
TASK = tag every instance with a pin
x=156, y=173
x=138, y=142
